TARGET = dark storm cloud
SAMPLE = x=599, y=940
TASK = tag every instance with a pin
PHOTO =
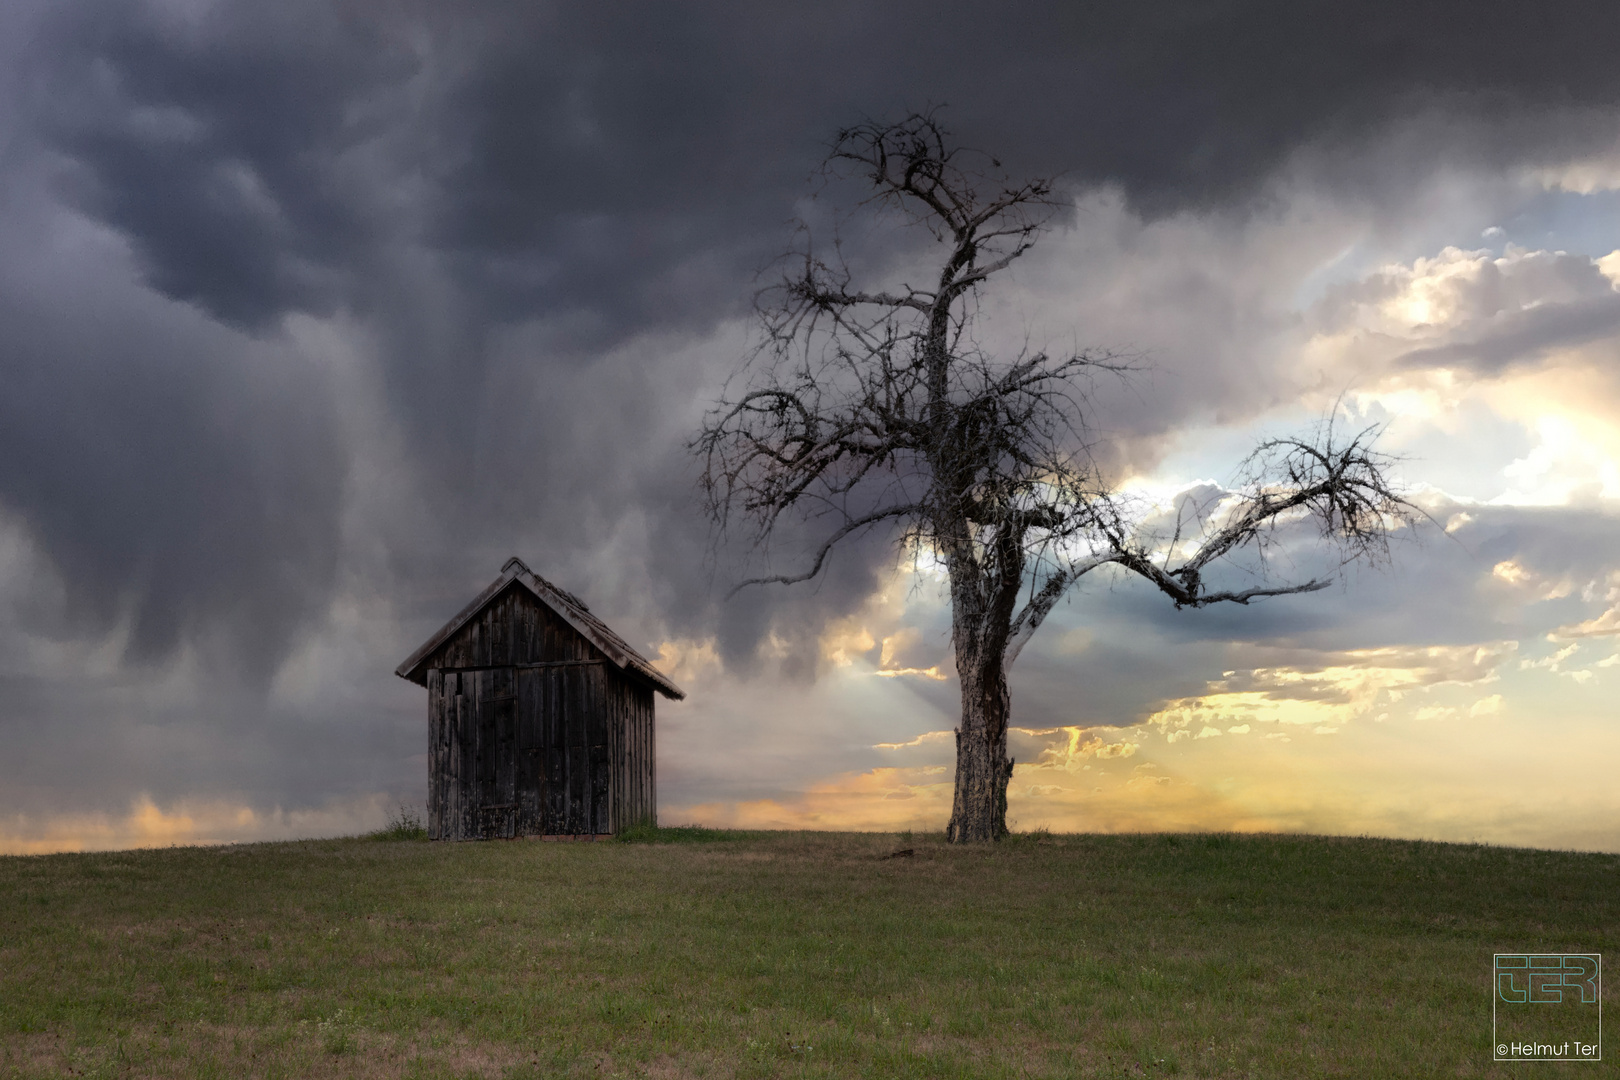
x=174, y=475
x=620, y=169
x=514, y=223
x=633, y=163
x=221, y=148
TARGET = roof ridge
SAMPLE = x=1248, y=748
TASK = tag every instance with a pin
x=515, y=566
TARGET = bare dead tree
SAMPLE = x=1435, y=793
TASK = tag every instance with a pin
x=877, y=410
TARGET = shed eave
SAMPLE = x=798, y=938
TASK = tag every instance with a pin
x=408, y=670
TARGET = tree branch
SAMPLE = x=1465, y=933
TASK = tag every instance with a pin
x=1045, y=599
x=822, y=552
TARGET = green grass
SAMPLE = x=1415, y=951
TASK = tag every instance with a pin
x=679, y=834
x=405, y=824
x=701, y=953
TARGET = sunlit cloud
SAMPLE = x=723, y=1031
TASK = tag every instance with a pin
x=1600, y=172
x=1343, y=687
x=932, y=672
x=1604, y=625
x=687, y=661
x=1468, y=346
x=1463, y=311
x=1534, y=585
x=885, y=798
x=187, y=822
x=843, y=644
x=1068, y=748
x=1555, y=662
x=927, y=736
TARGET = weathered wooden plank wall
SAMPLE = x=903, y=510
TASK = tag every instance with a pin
x=630, y=710
x=530, y=771
x=514, y=629
x=530, y=730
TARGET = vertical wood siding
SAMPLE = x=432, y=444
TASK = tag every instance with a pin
x=629, y=764
x=531, y=731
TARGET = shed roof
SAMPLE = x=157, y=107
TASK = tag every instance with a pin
x=568, y=607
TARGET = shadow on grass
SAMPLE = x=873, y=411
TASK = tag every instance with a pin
x=407, y=824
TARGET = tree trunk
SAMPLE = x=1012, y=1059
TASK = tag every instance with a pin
x=982, y=599
x=979, y=809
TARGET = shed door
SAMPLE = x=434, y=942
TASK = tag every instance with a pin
x=496, y=712
x=575, y=751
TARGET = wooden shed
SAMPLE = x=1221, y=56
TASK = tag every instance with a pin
x=540, y=718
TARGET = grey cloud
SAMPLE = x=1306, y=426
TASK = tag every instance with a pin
x=524, y=228
x=1510, y=310
x=1172, y=654
x=175, y=475
x=224, y=150
x=1524, y=336
x=590, y=159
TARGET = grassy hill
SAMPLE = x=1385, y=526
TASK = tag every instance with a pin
x=782, y=954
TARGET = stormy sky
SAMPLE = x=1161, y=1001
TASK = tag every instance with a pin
x=313, y=314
